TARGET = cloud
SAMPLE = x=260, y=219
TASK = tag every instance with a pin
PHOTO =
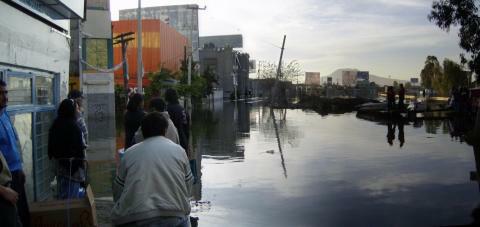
x=329, y=34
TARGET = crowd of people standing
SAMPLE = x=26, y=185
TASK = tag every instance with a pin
x=391, y=98
x=67, y=143
x=154, y=178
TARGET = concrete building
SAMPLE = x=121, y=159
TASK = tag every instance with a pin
x=233, y=41
x=34, y=62
x=230, y=67
x=183, y=18
x=91, y=75
x=312, y=78
x=365, y=89
x=349, y=78
x=94, y=35
x=363, y=76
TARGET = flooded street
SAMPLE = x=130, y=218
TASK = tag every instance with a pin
x=334, y=170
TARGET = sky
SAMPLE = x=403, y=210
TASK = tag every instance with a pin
x=386, y=37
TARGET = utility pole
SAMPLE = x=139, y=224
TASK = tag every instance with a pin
x=275, y=96
x=193, y=8
x=139, y=49
x=191, y=152
x=279, y=69
x=189, y=70
x=124, y=39
x=80, y=57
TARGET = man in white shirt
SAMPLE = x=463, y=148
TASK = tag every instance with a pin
x=154, y=180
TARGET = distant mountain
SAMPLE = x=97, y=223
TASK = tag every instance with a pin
x=381, y=81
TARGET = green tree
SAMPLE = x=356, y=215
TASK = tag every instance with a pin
x=210, y=80
x=408, y=85
x=157, y=82
x=395, y=85
x=196, y=89
x=430, y=72
x=462, y=13
x=454, y=75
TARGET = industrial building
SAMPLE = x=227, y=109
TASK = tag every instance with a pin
x=233, y=41
x=162, y=47
x=230, y=67
x=183, y=18
x=349, y=77
x=312, y=78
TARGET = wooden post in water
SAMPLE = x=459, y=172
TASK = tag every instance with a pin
x=275, y=97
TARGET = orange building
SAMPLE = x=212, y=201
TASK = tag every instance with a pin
x=163, y=47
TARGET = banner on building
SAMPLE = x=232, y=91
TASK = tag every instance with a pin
x=312, y=78
x=363, y=75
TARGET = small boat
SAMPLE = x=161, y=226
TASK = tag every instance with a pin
x=372, y=107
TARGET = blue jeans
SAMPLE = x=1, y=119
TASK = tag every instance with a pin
x=161, y=222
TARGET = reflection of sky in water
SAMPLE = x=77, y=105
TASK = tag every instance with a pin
x=340, y=172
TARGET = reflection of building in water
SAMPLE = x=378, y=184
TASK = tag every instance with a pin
x=464, y=129
x=216, y=132
x=243, y=121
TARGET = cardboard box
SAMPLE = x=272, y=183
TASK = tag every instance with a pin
x=79, y=212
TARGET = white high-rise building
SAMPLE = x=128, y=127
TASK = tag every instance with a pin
x=183, y=18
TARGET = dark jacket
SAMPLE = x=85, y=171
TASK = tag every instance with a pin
x=181, y=121
x=65, y=141
x=133, y=120
x=401, y=94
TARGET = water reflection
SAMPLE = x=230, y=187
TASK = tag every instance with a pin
x=217, y=131
x=465, y=129
x=390, y=133
x=335, y=165
x=401, y=133
x=391, y=128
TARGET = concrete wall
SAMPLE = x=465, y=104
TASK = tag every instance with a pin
x=98, y=24
x=38, y=47
x=30, y=46
x=100, y=115
x=220, y=62
x=243, y=75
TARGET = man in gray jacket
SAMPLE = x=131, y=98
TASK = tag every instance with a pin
x=157, y=104
x=154, y=180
